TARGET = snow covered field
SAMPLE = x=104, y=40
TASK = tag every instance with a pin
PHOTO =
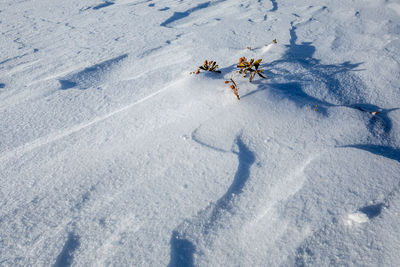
x=111, y=153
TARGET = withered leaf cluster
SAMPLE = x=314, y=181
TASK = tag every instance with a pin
x=233, y=87
x=208, y=66
x=250, y=68
x=246, y=68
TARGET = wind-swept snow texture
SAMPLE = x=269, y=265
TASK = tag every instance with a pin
x=111, y=153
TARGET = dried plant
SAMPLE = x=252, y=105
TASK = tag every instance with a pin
x=233, y=87
x=250, y=67
x=208, y=66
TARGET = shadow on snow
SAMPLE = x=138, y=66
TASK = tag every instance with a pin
x=334, y=77
x=66, y=256
x=180, y=15
x=90, y=76
x=182, y=250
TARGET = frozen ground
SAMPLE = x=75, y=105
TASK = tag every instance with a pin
x=111, y=153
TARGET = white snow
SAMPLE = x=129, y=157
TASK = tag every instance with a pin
x=357, y=217
x=111, y=153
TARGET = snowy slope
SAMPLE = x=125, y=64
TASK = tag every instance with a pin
x=111, y=153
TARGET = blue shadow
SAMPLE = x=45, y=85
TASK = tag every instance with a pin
x=372, y=211
x=293, y=92
x=384, y=151
x=65, y=84
x=105, y=4
x=91, y=76
x=302, y=55
x=180, y=15
x=182, y=251
x=246, y=159
x=274, y=6
x=65, y=258
x=379, y=124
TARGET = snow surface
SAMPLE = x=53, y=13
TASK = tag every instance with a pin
x=111, y=153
